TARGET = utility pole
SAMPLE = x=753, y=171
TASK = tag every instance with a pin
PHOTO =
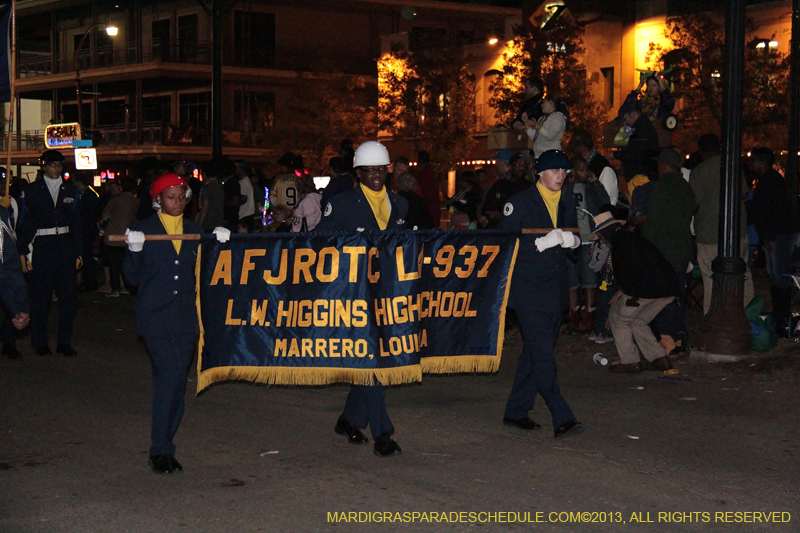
x=216, y=81
x=730, y=331
x=794, y=106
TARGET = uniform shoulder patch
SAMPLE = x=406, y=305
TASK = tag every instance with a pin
x=508, y=209
x=328, y=209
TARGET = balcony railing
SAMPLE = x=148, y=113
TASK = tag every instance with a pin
x=153, y=133
x=198, y=52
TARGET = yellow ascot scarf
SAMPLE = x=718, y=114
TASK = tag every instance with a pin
x=551, y=200
x=379, y=203
x=174, y=226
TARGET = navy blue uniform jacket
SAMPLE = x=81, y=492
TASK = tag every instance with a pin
x=13, y=290
x=37, y=212
x=541, y=280
x=350, y=211
x=165, y=302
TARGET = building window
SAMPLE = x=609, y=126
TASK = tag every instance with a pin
x=194, y=110
x=608, y=85
x=187, y=38
x=254, y=39
x=157, y=109
x=111, y=112
x=253, y=111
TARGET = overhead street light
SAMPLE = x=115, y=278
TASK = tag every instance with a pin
x=111, y=30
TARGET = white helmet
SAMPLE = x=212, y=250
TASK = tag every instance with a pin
x=371, y=153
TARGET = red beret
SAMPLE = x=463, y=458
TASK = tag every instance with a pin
x=165, y=181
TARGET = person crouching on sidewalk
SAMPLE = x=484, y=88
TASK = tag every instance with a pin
x=646, y=284
x=166, y=310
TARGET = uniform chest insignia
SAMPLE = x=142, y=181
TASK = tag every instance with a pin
x=69, y=200
x=508, y=209
x=328, y=209
x=400, y=221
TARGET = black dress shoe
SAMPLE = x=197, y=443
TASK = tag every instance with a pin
x=573, y=427
x=10, y=351
x=353, y=434
x=66, y=350
x=386, y=446
x=161, y=464
x=44, y=350
x=521, y=423
x=176, y=466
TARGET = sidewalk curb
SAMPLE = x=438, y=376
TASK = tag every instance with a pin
x=699, y=356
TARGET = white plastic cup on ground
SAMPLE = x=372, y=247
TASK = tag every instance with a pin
x=599, y=359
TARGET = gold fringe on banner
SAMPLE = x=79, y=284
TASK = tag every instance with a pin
x=309, y=376
x=456, y=364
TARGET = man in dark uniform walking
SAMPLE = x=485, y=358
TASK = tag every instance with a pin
x=540, y=291
x=50, y=245
x=367, y=207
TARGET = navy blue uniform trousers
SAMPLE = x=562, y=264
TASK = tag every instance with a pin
x=536, y=370
x=53, y=269
x=367, y=405
x=171, y=357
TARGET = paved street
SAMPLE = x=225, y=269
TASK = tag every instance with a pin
x=75, y=433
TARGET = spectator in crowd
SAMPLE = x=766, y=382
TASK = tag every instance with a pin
x=429, y=186
x=777, y=226
x=656, y=100
x=647, y=283
x=532, y=106
x=705, y=181
x=466, y=203
x=601, y=263
x=590, y=197
x=418, y=215
x=164, y=273
x=371, y=207
x=247, y=206
x=307, y=213
x=283, y=195
x=341, y=180
x=147, y=170
x=502, y=190
x=582, y=145
x=539, y=292
x=50, y=224
x=118, y=216
x=90, y=210
x=347, y=152
x=502, y=160
x=211, y=210
x=668, y=226
x=547, y=132
x=642, y=145
x=400, y=166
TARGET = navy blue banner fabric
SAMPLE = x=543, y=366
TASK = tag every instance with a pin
x=5, y=52
x=319, y=308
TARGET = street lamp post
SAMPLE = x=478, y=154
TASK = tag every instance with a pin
x=111, y=31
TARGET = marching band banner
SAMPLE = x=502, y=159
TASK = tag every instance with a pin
x=321, y=308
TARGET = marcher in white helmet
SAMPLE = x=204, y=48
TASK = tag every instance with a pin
x=367, y=207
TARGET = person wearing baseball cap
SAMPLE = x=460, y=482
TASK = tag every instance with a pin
x=166, y=312
x=50, y=244
x=540, y=291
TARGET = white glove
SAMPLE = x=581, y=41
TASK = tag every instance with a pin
x=223, y=234
x=550, y=240
x=135, y=240
x=570, y=240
